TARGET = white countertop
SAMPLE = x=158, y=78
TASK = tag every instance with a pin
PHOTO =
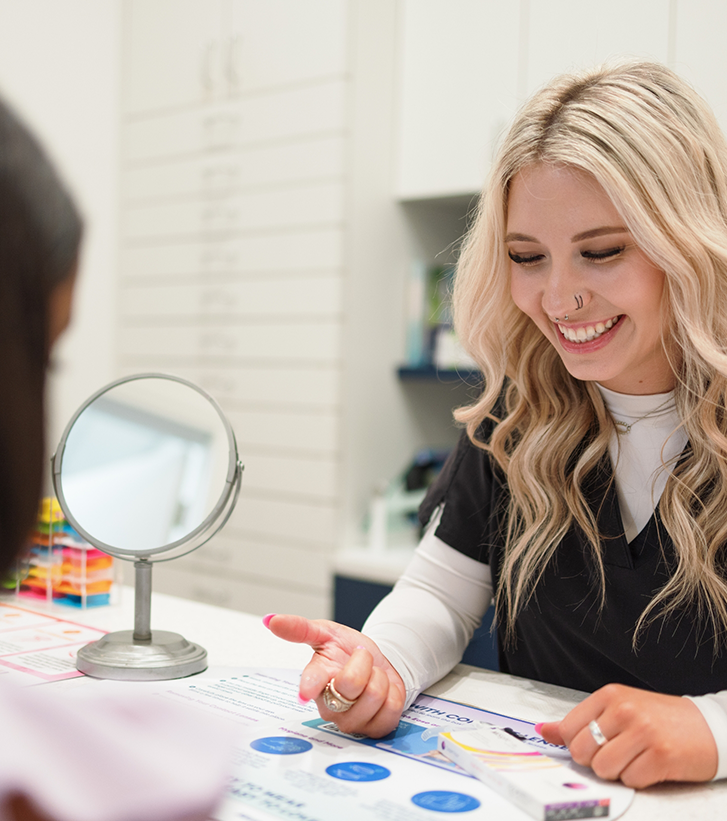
x=235, y=639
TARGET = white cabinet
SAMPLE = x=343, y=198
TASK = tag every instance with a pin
x=309, y=42
x=458, y=89
x=233, y=216
x=172, y=53
x=700, y=54
x=466, y=66
x=181, y=53
x=561, y=35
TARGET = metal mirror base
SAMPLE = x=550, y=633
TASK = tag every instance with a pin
x=120, y=657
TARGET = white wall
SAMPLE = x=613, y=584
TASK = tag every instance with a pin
x=59, y=67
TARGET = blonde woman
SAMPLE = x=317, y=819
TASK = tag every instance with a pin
x=588, y=494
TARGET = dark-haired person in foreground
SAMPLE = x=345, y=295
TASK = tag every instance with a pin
x=91, y=758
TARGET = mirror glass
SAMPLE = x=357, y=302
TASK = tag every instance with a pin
x=145, y=464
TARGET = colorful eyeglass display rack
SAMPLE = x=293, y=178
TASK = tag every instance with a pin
x=61, y=566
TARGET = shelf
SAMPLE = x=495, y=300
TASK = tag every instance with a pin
x=430, y=373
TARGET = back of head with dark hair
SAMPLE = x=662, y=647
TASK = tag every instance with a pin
x=40, y=233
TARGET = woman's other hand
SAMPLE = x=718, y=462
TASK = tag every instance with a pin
x=361, y=672
x=650, y=737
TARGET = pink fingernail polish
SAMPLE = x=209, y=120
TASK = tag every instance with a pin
x=302, y=700
x=539, y=728
x=360, y=647
x=266, y=619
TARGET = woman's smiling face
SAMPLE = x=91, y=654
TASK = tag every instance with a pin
x=568, y=246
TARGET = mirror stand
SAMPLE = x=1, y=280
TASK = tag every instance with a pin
x=140, y=654
x=147, y=467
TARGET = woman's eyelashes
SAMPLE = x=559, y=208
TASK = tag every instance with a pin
x=606, y=254
x=525, y=259
x=593, y=256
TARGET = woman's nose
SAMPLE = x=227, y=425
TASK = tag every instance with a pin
x=562, y=303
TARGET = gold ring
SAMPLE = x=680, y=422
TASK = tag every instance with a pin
x=334, y=701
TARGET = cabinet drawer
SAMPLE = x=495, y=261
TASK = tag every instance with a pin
x=289, y=519
x=221, y=174
x=300, y=112
x=294, y=206
x=304, y=477
x=290, y=341
x=271, y=297
x=247, y=596
x=264, y=561
x=300, y=249
x=313, y=387
x=302, y=431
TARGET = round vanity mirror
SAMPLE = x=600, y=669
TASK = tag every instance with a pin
x=146, y=470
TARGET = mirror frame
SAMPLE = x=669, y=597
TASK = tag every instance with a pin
x=232, y=480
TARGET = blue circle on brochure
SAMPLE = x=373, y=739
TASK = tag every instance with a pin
x=281, y=745
x=445, y=801
x=358, y=771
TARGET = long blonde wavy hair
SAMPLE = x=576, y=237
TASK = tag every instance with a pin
x=656, y=149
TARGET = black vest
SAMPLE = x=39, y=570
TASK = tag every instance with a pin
x=564, y=636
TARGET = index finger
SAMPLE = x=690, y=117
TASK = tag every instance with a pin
x=300, y=630
x=582, y=714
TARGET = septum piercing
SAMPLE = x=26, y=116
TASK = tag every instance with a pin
x=579, y=305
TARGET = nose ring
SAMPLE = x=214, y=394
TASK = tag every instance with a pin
x=579, y=304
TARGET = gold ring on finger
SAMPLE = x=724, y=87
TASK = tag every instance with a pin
x=334, y=701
